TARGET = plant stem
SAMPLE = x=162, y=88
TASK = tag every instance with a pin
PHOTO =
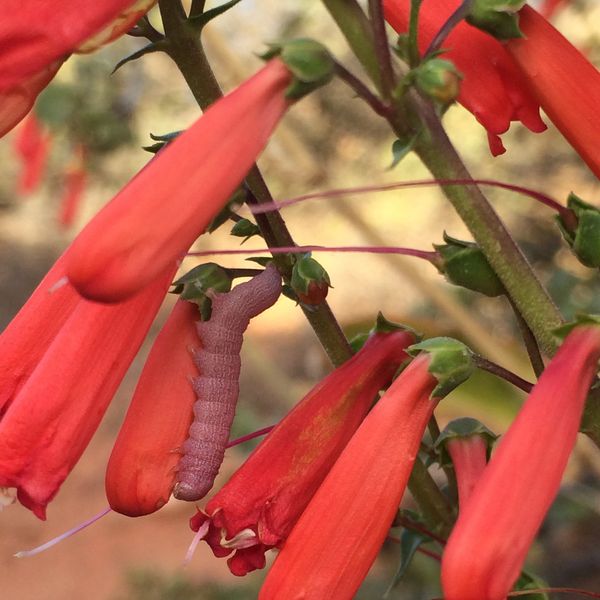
x=436, y=510
x=533, y=351
x=453, y=20
x=185, y=49
x=384, y=59
x=495, y=369
x=416, y=116
x=414, y=57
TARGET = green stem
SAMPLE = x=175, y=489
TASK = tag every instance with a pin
x=414, y=56
x=185, y=49
x=531, y=299
x=434, y=506
x=355, y=26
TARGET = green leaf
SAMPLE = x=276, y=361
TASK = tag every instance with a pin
x=158, y=46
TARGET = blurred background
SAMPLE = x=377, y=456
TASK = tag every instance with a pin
x=93, y=127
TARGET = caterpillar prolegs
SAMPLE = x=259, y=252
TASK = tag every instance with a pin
x=217, y=386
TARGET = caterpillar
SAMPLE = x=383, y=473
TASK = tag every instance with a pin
x=217, y=386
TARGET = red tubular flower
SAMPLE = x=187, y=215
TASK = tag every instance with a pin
x=258, y=506
x=74, y=182
x=17, y=101
x=489, y=543
x=36, y=37
x=565, y=83
x=27, y=337
x=338, y=536
x=32, y=144
x=158, y=215
x=493, y=88
x=469, y=457
x=52, y=418
x=143, y=465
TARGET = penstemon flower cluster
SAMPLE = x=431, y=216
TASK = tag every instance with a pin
x=323, y=490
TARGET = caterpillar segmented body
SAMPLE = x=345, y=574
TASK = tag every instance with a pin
x=217, y=386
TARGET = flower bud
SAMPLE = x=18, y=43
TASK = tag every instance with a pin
x=310, y=281
x=585, y=240
x=464, y=264
x=438, y=79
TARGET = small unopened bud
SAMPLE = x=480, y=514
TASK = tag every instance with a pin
x=464, y=264
x=438, y=79
x=585, y=238
x=310, y=281
x=466, y=444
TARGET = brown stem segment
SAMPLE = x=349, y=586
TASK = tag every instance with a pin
x=185, y=49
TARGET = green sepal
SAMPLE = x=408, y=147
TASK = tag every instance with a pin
x=263, y=261
x=585, y=240
x=528, y=581
x=358, y=341
x=451, y=362
x=438, y=79
x=309, y=62
x=199, y=21
x=382, y=325
x=464, y=264
x=158, y=46
x=245, y=229
x=581, y=319
x=462, y=428
x=497, y=17
x=195, y=284
x=410, y=542
x=161, y=141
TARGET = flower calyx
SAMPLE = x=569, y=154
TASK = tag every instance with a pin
x=310, y=281
x=498, y=17
x=451, y=362
x=461, y=430
x=310, y=63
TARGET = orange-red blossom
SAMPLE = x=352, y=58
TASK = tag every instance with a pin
x=157, y=216
x=37, y=36
x=488, y=545
x=142, y=468
x=563, y=80
x=257, y=508
x=61, y=361
x=339, y=535
x=492, y=87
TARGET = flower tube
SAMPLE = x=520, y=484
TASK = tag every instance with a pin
x=56, y=411
x=142, y=468
x=28, y=336
x=338, y=536
x=32, y=145
x=489, y=543
x=36, y=37
x=492, y=88
x=159, y=214
x=564, y=82
x=257, y=508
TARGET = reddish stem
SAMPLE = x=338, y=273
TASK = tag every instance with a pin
x=250, y=436
x=565, y=212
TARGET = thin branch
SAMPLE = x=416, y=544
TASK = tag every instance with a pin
x=382, y=48
x=492, y=367
x=453, y=20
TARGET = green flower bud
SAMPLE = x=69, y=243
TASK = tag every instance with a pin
x=245, y=229
x=585, y=239
x=310, y=281
x=195, y=284
x=438, y=79
x=464, y=264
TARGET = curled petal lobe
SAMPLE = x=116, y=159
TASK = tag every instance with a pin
x=159, y=214
x=260, y=504
x=492, y=88
x=338, y=536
